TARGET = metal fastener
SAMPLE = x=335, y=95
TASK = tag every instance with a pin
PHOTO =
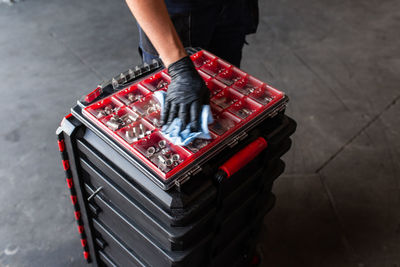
x=129, y=134
x=168, y=162
x=142, y=131
x=113, y=125
x=131, y=97
x=176, y=157
x=162, y=143
x=150, y=151
x=162, y=159
x=165, y=151
x=156, y=122
x=161, y=84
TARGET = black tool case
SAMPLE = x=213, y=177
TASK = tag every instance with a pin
x=126, y=217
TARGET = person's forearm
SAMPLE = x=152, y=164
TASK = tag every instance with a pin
x=153, y=18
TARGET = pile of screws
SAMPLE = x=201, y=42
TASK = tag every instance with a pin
x=224, y=101
x=133, y=98
x=137, y=132
x=198, y=144
x=244, y=112
x=161, y=84
x=148, y=108
x=107, y=110
x=221, y=125
x=263, y=96
x=215, y=69
x=116, y=122
x=157, y=123
x=224, y=76
x=162, y=156
x=247, y=89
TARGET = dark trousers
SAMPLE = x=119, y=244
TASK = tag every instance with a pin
x=218, y=28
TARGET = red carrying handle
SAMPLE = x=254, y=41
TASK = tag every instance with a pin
x=243, y=157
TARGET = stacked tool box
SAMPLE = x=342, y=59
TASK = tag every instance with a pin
x=205, y=210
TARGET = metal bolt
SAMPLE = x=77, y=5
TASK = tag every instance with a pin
x=165, y=151
x=142, y=131
x=156, y=122
x=150, y=110
x=176, y=157
x=244, y=112
x=129, y=134
x=168, y=162
x=134, y=117
x=161, y=84
x=162, y=143
x=113, y=125
x=150, y=151
x=131, y=97
x=134, y=131
x=162, y=159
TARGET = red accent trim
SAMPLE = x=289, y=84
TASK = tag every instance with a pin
x=77, y=215
x=73, y=199
x=61, y=145
x=65, y=164
x=244, y=156
x=70, y=183
x=81, y=229
x=84, y=242
x=66, y=117
x=93, y=95
x=86, y=255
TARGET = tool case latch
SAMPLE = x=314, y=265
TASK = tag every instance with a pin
x=195, y=170
x=237, y=138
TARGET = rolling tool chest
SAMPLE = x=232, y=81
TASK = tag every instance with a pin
x=140, y=200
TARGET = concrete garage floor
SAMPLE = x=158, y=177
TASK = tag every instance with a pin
x=339, y=61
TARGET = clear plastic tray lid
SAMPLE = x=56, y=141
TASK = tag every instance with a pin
x=132, y=115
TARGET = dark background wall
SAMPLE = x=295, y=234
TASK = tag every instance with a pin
x=339, y=61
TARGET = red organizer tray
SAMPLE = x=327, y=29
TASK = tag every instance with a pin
x=236, y=99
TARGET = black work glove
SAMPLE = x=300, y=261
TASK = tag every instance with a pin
x=186, y=95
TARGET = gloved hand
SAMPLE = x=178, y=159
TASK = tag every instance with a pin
x=186, y=95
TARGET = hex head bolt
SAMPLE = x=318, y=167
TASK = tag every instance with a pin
x=142, y=131
x=168, y=162
x=150, y=151
x=176, y=157
x=156, y=122
x=162, y=144
x=113, y=125
x=131, y=97
x=129, y=134
x=165, y=151
x=161, y=84
x=162, y=159
x=135, y=133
